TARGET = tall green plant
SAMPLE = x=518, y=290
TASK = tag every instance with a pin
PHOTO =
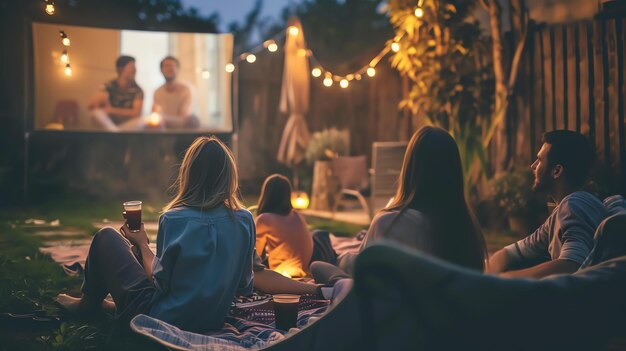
x=444, y=55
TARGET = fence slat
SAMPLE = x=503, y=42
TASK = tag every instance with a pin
x=559, y=78
x=598, y=91
x=572, y=77
x=583, y=67
x=612, y=93
x=548, y=80
x=621, y=32
x=539, y=90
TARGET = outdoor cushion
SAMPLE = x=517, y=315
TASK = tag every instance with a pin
x=609, y=240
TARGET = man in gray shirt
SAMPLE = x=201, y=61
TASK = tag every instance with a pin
x=563, y=242
x=174, y=99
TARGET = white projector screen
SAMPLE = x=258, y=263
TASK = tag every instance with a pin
x=102, y=92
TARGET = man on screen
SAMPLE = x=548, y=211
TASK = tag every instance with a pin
x=118, y=105
x=174, y=99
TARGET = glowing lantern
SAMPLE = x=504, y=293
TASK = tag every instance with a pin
x=299, y=200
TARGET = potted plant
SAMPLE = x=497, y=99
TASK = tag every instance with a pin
x=324, y=146
x=513, y=193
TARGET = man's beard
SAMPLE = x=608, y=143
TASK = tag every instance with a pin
x=542, y=183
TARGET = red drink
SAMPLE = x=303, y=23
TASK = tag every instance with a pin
x=132, y=213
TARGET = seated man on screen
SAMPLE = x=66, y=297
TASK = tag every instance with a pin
x=563, y=242
x=118, y=105
x=174, y=99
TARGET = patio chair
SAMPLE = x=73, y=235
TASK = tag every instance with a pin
x=387, y=157
x=353, y=176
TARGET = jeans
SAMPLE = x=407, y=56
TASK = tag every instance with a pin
x=113, y=268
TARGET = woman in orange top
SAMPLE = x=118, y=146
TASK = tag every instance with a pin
x=281, y=231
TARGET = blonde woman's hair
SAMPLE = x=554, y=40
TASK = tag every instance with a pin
x=207, y=177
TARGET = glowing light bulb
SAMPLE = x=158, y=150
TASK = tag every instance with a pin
x=371, y=71
x=357, y=76
x=272, y=47
x=302, y=52
x=230, y=68
x=316, y=72
x=64, y=57
x=50, y=9
x=154, y=119
x=65, y=41
x=251, y=58
x=419, y=12
x=68, y=70
x=395, y=47
x=328, y=81
x=344, y=83
x=206, y=74
x=293, y=31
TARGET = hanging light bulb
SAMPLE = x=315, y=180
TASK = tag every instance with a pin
x=419, y=12
x=64, y=57
x=206, y=74
x=316, y=72
x=302, y=52
x=357, y=76
x=328, y=81
x=270, y=45
x=68, y=70
x=293, y=31
x=344, y=83
x=230, y=68
x=251, y=58
x=50, y=7
x=395, y=46
x=65, y=40
x=371, y=71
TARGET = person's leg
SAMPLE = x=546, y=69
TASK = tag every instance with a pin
x=326, y=273
x=112, y=267
x=102, y=120
x=322, y=248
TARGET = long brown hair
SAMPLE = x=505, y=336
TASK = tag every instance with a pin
x=207, y=177
x=275, y=196
x=431, y=181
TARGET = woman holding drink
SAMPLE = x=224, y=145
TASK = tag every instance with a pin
x=205, y=250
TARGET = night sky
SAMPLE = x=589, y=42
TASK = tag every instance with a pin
x=236, y=10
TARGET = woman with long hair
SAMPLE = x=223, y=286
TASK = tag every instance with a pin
x=204, y=257
x=429, y=211
x=281, y=231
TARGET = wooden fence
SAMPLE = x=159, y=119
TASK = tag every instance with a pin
x=573, y=78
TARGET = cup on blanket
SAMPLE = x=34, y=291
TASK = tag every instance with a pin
x=286, y=310
x=132, y=214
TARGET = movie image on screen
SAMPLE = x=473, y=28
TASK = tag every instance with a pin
x=109, y=80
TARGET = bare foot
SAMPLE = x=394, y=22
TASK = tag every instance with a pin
x=108, y=305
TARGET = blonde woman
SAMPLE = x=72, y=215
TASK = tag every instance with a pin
x=205, y=251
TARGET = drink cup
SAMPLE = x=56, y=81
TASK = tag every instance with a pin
x=132, y=214
x=286, y=310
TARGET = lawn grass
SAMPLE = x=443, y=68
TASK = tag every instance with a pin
x=30, y=280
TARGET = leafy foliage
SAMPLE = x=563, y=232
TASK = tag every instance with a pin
x=326, y=144
x=513, y=193
x=442, y=53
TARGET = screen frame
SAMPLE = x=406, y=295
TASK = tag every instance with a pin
x=29, y=81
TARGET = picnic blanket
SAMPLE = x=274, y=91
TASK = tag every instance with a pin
x=250, y=325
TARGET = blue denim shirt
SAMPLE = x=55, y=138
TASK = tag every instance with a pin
x=204, y=258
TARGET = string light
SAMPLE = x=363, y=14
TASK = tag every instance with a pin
x=64, y=57
x=328, y=81
x=371, y=71
x=206, y=74
x=419, y=12
x=395, y=46
x=65, y=40
x=251, y=58
x=316, y=72
x=293, y=31
x=50, y=7
x=230, y=68
x=68, y=70
x=270, y=45
x=344, y=83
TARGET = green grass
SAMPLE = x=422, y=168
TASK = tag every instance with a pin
x=30, y=280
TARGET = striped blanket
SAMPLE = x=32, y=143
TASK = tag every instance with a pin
x=250, y=325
